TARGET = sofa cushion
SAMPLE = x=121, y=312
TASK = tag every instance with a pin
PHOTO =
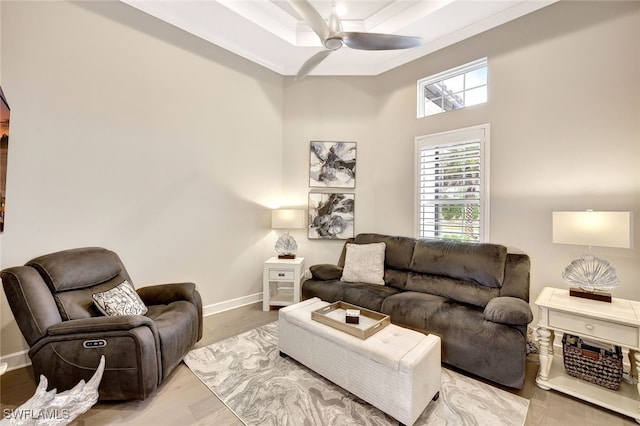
x=399, y=250
x=494, y=351
x=77, y=304
x=516, y=276
x=396, y=278
x=364, y=263
x=329, y=290
x=483, y=264
x=369, y=296
x=453, y=289
x=508, y=310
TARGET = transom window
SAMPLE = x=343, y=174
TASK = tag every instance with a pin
x=452, y=185
x=456, y=88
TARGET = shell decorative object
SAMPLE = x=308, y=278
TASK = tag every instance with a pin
x=286, y=244
x=591, y=274
x=50, y=408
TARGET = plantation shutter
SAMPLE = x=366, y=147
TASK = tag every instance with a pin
x=451, y=187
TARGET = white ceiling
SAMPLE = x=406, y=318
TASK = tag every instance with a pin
x=271, y=34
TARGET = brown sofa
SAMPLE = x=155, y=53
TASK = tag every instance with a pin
x=474, y=296
x=51, y=300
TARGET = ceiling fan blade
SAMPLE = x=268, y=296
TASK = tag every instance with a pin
x=311, y=17
x=311, y=63
x=375, y=41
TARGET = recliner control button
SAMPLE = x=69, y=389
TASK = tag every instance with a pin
x=99, y=343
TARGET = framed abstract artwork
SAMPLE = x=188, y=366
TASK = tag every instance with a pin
x=332, y=164
x=331, y=215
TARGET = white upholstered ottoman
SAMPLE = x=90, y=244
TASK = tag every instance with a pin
x=396, y=370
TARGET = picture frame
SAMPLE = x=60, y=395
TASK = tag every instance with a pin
x=5, y=113
x=331, y=216
x=332, y=164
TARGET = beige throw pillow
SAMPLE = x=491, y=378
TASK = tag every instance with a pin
x=364, y=263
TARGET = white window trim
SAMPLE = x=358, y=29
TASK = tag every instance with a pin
x=480, y=133
x=462, y=69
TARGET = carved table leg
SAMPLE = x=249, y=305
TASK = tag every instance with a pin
x=633, y=371
x=546, y=356
x=634, y=359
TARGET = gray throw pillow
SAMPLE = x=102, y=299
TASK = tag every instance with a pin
x=120, y=300
x=508, y=310
x=326, y=272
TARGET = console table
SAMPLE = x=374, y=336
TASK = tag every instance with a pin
x=617, y=323
x=281, y=282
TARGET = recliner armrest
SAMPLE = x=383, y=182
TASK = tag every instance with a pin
x=163, y=294
x=326, y=272
x=100, y=324
x=508, y=310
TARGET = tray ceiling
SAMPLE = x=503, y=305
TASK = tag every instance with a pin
x=270, y=33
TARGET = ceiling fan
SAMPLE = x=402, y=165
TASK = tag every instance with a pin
x=332, y=36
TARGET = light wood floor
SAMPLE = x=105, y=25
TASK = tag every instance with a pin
x=183, y=400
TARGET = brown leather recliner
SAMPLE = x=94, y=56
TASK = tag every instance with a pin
x=51, y=299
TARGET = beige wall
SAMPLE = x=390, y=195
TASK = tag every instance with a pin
x=130, y=134
x=329, y=109
x=564, y=109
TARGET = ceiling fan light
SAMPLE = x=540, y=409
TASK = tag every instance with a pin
x=333, y=43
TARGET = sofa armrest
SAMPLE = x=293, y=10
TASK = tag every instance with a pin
x=326, y=272
x=508, y=310
x=163, y=294
x=100, y=324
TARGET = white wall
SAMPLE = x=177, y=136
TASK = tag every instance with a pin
x=564, y=109
x=130, y=134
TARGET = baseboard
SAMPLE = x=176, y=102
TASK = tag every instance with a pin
x=21, y=359
x=216, y=308
x=16, y=360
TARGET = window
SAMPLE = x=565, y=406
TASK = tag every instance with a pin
x=456, y=88
x=452, y=185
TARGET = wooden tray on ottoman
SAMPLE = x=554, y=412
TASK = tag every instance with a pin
x=334, y=316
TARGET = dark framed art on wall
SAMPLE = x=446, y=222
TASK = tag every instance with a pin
x=331, y=215
x=332, y=164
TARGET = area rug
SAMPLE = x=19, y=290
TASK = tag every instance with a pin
x=247, y=373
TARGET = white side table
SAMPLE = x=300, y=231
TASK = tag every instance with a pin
x=617, y=323
x=281, y=280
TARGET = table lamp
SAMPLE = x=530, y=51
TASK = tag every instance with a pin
x=588, y=276
x=286, y=245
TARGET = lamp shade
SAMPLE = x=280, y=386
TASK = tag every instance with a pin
x=591, y=228
x=287, y=219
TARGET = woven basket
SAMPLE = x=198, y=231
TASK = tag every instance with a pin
x=595, y=365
